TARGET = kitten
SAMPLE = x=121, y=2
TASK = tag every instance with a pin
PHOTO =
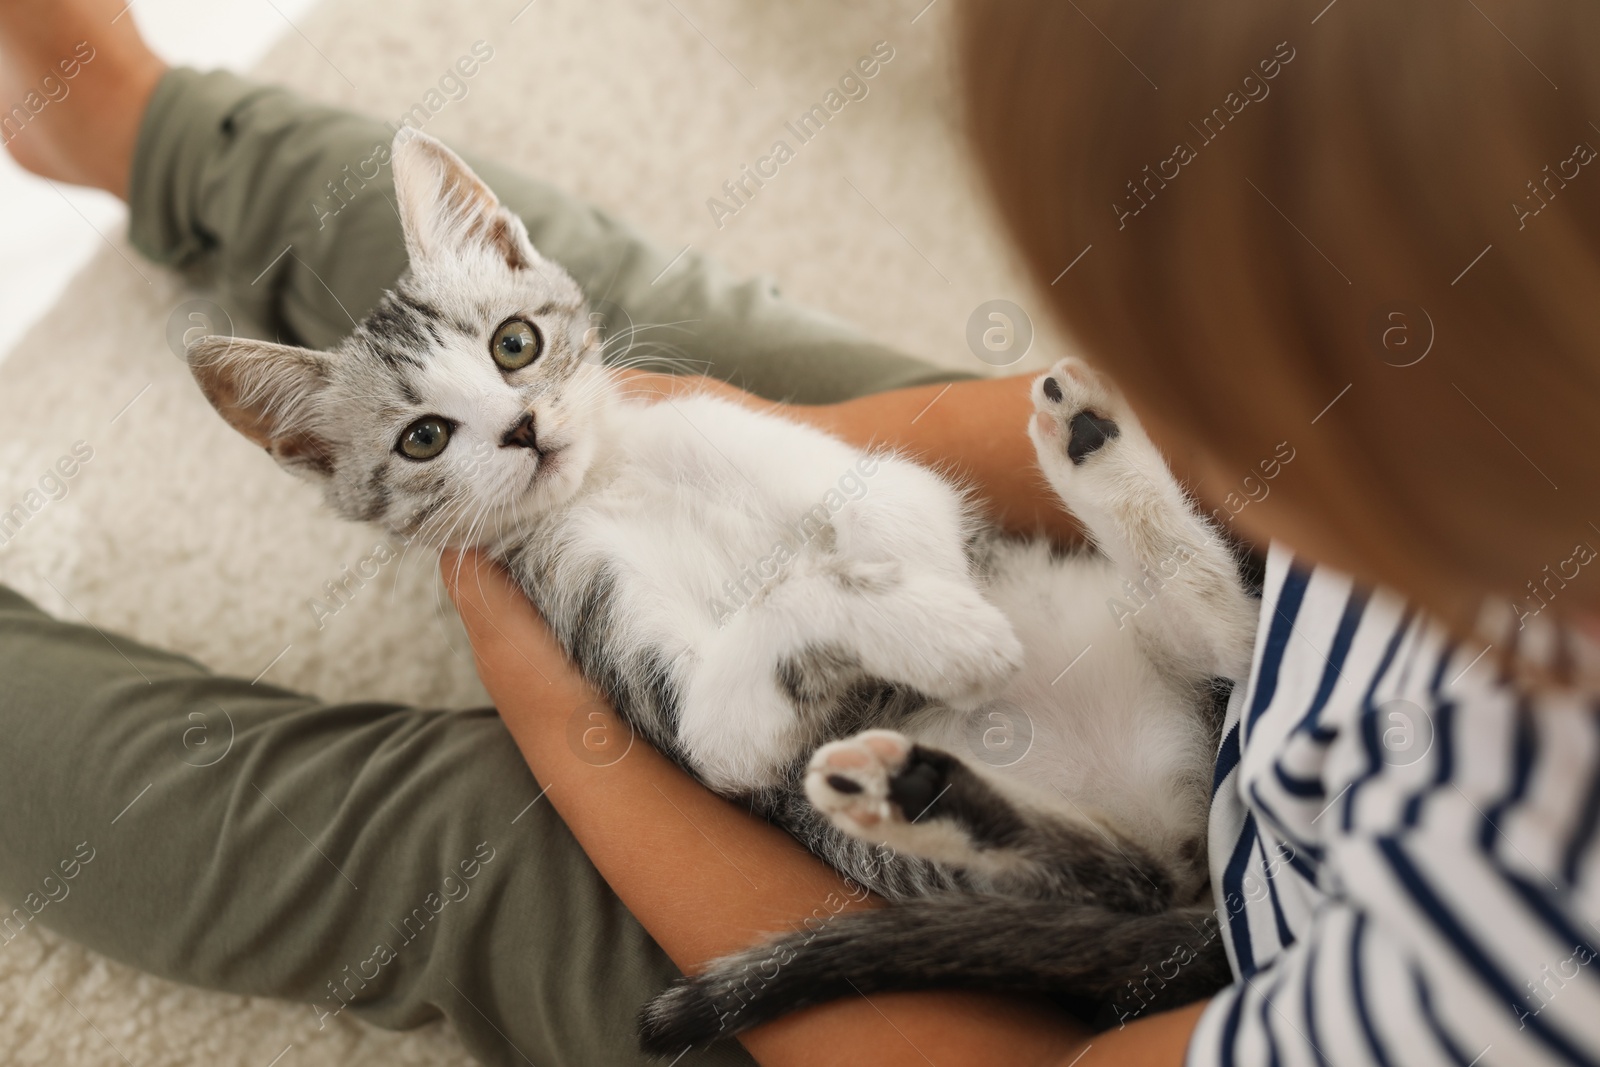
x=1011, y=744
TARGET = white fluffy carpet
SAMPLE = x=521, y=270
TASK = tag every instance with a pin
x=180, y=533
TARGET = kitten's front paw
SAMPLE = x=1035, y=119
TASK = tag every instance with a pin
x=966, y=651
x=1076, y=411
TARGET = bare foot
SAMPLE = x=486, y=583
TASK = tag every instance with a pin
x=75, y=77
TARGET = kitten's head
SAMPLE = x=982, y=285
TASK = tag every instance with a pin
x=465, y=404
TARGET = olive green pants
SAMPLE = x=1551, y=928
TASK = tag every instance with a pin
x=370, y=859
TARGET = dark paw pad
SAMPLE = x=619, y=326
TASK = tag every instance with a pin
x=1089, y=432
x=921, y=782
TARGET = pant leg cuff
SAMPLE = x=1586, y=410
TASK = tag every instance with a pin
x=189, y=115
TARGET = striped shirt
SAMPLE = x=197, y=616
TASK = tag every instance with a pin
x=1403, y=847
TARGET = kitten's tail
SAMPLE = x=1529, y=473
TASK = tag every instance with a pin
x=1113, y=964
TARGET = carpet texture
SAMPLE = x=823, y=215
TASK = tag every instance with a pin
x=179, y=532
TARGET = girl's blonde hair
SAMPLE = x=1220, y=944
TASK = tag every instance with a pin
x=1372, y=232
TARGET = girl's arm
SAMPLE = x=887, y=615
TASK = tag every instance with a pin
x=973, y=430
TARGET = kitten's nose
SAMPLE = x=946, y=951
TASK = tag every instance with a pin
x=521, y=434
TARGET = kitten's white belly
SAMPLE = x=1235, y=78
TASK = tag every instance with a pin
x=701, y=496
x=701, y=493
x=707, y=555
x=1088, y=718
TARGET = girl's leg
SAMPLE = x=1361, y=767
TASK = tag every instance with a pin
x=286, y=207
x=389, y=862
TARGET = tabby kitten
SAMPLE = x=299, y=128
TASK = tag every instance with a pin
x=828, y=635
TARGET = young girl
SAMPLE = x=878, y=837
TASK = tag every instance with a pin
x=1341, y=260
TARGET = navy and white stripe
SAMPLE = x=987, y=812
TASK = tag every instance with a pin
x=1403, y=847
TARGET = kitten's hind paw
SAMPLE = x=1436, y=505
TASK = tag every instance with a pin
x=1076, y=411
x=875, y=782
x=848, y=780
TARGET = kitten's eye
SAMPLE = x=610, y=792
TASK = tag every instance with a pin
x=516, y=344
x=424, y=438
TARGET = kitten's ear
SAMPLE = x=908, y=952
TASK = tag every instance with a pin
x=447, y=211
x=264, y=391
